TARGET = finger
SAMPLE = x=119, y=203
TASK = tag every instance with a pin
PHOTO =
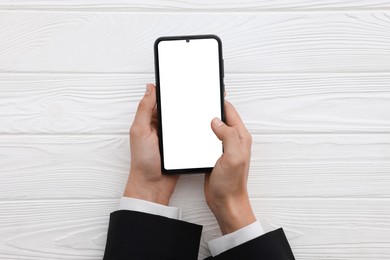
x=154, y=118
x=228, y=135
x=206, y=183
x=206, y=180
x=233, y=119
x=144, y=114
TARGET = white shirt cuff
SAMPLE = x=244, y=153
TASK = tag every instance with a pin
x=149, y=207
x=238, y=237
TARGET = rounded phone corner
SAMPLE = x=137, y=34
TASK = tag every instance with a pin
x=216, y=37
x=157, y=41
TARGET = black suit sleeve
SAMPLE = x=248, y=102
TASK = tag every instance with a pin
x=139, y=236
x=270, y=246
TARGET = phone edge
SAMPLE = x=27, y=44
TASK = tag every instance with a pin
x=158, y=97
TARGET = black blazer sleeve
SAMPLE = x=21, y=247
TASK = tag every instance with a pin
x=270, y=246
x=139, y=236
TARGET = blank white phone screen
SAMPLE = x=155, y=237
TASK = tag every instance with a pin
x=190, y=96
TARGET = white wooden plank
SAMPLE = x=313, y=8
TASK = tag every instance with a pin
x=316, y=228
x=199, y=5
x=106, y=103
x=304, y=166
x=265, y=42
x=54, y=229
x=58, y=166
x=102, y=104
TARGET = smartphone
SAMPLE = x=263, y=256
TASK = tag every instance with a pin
x=190, y=93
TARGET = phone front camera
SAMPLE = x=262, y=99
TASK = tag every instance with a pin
x=187, y=40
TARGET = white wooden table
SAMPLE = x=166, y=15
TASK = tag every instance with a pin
x=311, y=80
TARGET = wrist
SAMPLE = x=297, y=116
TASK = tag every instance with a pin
x=145, y=194
x=129, y=193
x=143, y=191
x=234, y=215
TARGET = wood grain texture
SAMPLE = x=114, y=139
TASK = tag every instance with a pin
x=123, y=42
x=317, y=229
x=282, y=166
x=198, y=5
x=270, y=103
x=311, y=80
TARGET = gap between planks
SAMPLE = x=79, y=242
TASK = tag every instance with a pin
x=258, y=133
x=121, y=73
x=197, y=199
x=105, y=9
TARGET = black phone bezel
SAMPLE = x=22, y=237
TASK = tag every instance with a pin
x=187, y=38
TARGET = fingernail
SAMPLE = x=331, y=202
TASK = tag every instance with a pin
x=148, y=89
x=218, y=122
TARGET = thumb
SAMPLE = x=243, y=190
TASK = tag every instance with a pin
x=228, y=135
x=146, y=106
x=219, y=128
